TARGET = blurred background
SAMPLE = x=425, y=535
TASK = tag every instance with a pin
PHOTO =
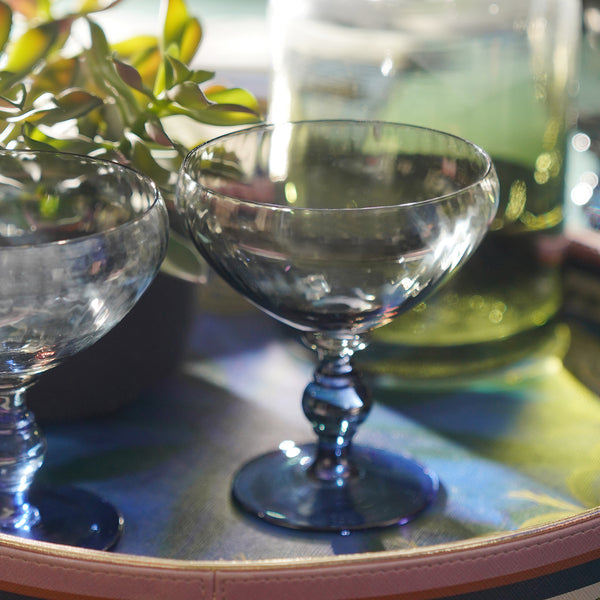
x=235, y=40
x=522, y=79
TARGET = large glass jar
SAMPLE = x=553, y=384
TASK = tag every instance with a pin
x=499, y=73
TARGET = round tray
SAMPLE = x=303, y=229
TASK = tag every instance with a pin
x=517, y=453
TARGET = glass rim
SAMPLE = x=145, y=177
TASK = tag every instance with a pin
x=157, y=198
x=487, y=170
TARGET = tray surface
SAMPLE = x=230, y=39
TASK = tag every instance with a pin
x=517, y=453
x=513, y=451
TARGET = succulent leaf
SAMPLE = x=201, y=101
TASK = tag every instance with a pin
x=142, y=159
x=179, y=71
x=134, y=46
x=31, y=48
x=99, y=42
x=189, y=95
x=14, y=98
x=232, y=95
x=35, y=144
x=148, y=65
x=29, y=8
x=32, y=115
x=167, y=75
x=130, y=75
x=5, y=24
x=90, y=6
x=75, y=103
x=58, y=74
x=201, y=76
x=226, y=115
x=36, y=139
x=143, y=53
x=111, y=122
x=157, y=134
x=190, y=40
x=176, y=19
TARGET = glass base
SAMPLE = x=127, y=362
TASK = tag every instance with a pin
x=389, y=489
x=73, y=517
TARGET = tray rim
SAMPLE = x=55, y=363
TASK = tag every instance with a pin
x=543, y=555
x=488, y=541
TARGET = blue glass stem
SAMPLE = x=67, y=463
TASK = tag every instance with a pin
x=22, y=450
x=336, y=402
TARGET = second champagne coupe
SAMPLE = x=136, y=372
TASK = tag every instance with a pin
x=335, y=228
x=80, y=241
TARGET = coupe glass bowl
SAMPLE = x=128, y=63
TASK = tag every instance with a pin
x=80, y=240
x=335, y=228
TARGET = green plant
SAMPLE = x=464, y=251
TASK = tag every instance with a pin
x=102, y=99
x=107, y=100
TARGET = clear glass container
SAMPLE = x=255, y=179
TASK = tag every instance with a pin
x=501, y=74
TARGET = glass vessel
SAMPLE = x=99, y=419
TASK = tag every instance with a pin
x=335, y=228
x=80, y=240
x=500, y=74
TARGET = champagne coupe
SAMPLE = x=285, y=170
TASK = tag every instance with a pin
x=335, y=228
x=80, y=241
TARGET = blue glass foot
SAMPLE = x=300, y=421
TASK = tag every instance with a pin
x=383, y=489
x=74, y=517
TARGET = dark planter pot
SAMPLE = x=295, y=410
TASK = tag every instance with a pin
x=144, y=347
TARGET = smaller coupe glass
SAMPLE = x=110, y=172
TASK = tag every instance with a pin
x=335, y=228
x=80, y=240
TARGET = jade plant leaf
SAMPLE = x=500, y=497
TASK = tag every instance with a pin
x=13, y=99
x=189, y=95
x=190, y=40
x=5, y=24
x=231, y=106
x=110, y=122
x=176, y=20
x=201, y=76
x=100, y=47
x=156, y=133
x=34, y=139
x=135, y=46
x=70, y=104
x=8, y=80
x=218, y=106
x=165, y=76
x=142, y=159
x=31, y=48
x=226, y=115
x=105, y=75
x=233, y=96
x=37, y=139
x=90, y=6
x=177, y=71
x=75, y=103
x=31, y=116
x=182, y=73
x=31, y=8
x=180, y=32
x=130, y=75
x=58, y=74
x=148, y=65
